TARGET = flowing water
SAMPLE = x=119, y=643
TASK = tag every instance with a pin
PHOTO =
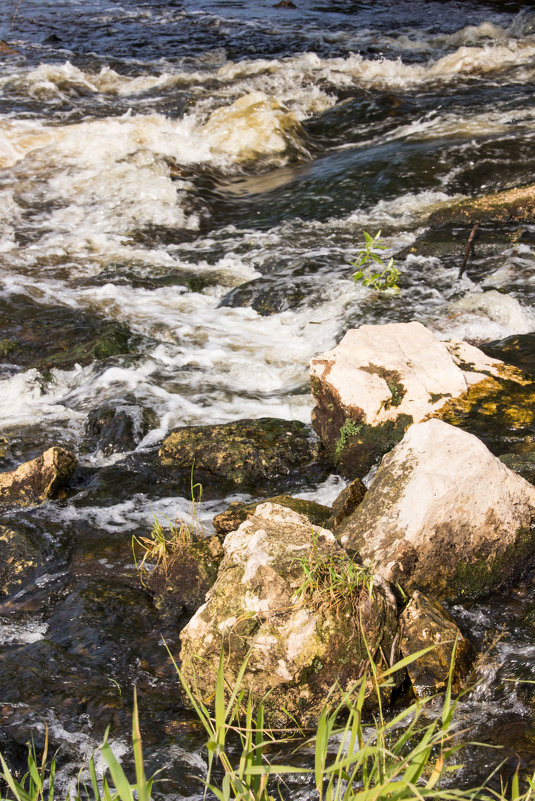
x=183, y=187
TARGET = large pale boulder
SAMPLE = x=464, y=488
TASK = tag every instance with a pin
x=444, y=515
x=300, y=641
x=35, y=481
x=382, y=378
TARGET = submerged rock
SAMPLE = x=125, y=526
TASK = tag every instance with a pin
x=245, y=452
x=518, y=349
x=426, y=623
x=299, y=643
x=381, y=378
x=38, y=480
x=444, y=516
x=112, y=429
x=19, y=559
x=237, y=512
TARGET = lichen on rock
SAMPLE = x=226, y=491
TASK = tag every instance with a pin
x=298, y=645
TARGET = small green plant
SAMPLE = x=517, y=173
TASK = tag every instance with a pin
x=348, y=430
x=384, y=279
x=333, y=580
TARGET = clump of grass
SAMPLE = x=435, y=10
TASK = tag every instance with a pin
x=162, y=541
x=332, y=579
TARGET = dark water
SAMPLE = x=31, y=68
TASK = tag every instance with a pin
x=168, y=257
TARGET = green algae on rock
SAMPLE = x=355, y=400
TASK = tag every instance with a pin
x=181, y=580
x=298, y=647
x=245, y=452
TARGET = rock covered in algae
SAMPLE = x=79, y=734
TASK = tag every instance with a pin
x=511, y=205
x=38, y=480
x=245, y=452
x=445, y=516
x=237, y=512
x=381, y=378
x=299, y=645
x=180, y=581
x=425, y=623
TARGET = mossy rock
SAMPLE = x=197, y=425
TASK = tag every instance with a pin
x=512, y=205
x=246, y=452
x=181, y=580
x=38, y=480
x=237, y=512
x=45, y=337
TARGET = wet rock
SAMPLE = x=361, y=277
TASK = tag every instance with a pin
x=37, y=481
x=182, y=579
x=299, y=645
x=245, y=452
x=274, y=294
x=380, y=379
x=346, y=502
x=111, y=429
x=444, y=516
x=19, y=559
x=518, y=349
x=7, y=50
x=43, y=337
x=512, y=205
x=426, y=623
x=237, y=512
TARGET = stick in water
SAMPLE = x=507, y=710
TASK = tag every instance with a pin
x=469, y=246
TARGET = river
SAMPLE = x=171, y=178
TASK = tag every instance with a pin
x=191, y=181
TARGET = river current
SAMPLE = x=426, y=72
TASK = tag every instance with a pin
x=192, y=181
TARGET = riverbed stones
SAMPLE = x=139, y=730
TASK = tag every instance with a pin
x=246, y=452
x=426, y=624
x=38, y=480
x=298, y=645
x=382, y=378
x=444, y=516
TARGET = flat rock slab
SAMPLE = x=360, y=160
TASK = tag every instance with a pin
x=425, y=623
x=511, y=205
x=382, y=378
x=298, y=645
x=37, y=481
x=445, y=516
x=245, y=452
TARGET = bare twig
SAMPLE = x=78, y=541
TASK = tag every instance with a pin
x=469, y=247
